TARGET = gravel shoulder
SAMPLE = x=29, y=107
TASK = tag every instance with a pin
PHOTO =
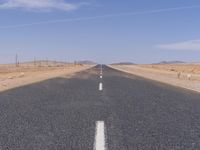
x=167, y=77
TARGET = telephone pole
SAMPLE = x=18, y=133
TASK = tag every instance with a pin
x=34, y=61
x=16, y=60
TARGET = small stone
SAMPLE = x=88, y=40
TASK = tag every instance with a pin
x=11, y=77
x=22, y=74
x=4, y=84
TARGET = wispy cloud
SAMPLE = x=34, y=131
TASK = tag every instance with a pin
x=185, y=45
x=71, y=7
x=39, y=5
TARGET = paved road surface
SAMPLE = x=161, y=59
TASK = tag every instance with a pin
x=130, y=113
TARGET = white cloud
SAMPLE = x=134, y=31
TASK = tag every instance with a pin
x=185, y=45
x=41, y=5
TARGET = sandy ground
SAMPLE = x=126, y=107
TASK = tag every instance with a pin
x=167, y=74
x=12, y=77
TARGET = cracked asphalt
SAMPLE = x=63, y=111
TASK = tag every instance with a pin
x=61, y=114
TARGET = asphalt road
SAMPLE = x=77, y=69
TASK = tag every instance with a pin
x=62, y=114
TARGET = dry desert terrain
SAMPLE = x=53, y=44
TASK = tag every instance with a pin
x=12, y=76
x=186, y=75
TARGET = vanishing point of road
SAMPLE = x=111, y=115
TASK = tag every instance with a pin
x=99, y=109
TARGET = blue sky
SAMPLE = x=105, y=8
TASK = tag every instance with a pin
x=141, y=31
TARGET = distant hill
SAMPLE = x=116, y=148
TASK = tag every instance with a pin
x=87, y=62
x=123, y=63
x=170, y=62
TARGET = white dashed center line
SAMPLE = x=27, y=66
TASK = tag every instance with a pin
x=100, y=86
x=100, y=143
x=101, y=72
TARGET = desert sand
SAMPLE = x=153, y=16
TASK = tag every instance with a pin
x=12, y=76
x=167, y=73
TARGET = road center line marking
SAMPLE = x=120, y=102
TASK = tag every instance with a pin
x=100, y=143
x=100, y=86
x=101, y=77
x=101, y=72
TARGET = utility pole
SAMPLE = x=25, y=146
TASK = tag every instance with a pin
x=16, y=60
x=34, y=61
x=47, y=62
